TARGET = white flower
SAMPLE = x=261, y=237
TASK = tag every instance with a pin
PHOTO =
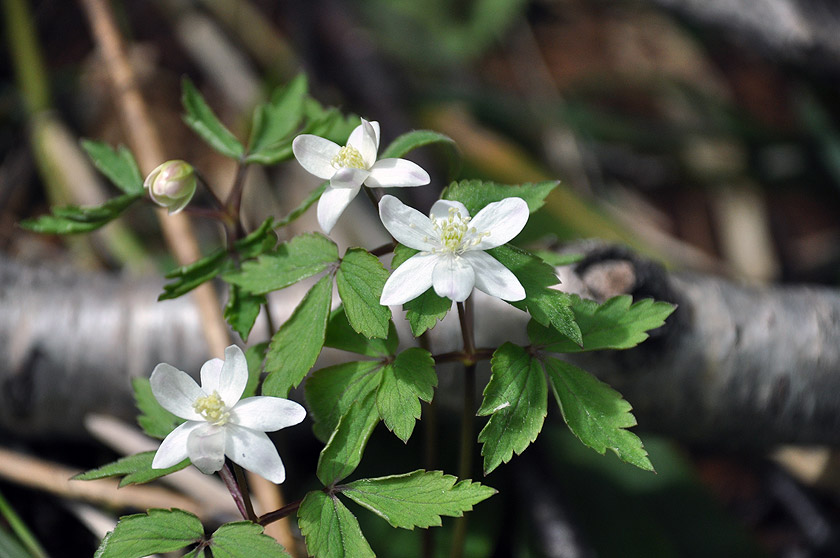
x=171, y=185
x=218, y=423
x=451, y=244
x=348, y=167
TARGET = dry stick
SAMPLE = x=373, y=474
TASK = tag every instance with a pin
x=55, y=478
x=146, y=145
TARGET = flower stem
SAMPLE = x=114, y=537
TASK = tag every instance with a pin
x=243, y=489
x=242, y=501
x=465, y=317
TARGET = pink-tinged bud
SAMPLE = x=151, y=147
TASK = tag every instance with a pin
x=172, y=185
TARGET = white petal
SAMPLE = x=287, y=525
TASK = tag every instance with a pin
x=267, y=414
x=173, y=448
x=410, y=280
x=365, y=138
x=234, y=376
x=502, y=219
x=440, y=209
x=254, y=451
x=493, y=278
x=175, y=391
x=349, y=178
x=453, y=278
x=315, y=154
x=206, y=447
x=406, y=224
x=332, y=204
x=393, y=173
x=211, y=371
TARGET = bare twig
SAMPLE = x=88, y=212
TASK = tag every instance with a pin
x=146, y=144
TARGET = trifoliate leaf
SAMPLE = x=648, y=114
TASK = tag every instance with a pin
x=188, y=277
x=546, y=305
x=155, y=421
x=303, y=256
x=616, y=324
x=201, y=119
x=331, y=391
x=516, y=400
x=296, y=345
x=595, y=412
x=341, y=336
x=117, y=164
x=475, y=194
x=275, y=124
x=156, y=531
x=242, y=309
x=417, y=499
x=135, y=469
x=330, y=529
x=410, y=377
x=345, y=448
x=243, y=539
x=73, y=219
x=360, y=279
x=254, y=356
x=427, y=309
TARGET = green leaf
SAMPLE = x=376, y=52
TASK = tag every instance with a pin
x=73, y=219
x=475, y=194
x=616, y=324
x=136, y=469
x=516, y=400
x=275, y=124
x=155, y=421
x=412, y=140
x=243, y=539
x=330, y=529
x=254, y=356
x=313, y=196
x=188, y=277
x=148, y=533
x=201, y=119
x=360, y=279
x=345, y=448
x=242, y=309
x=341, y=336
x=557, y=260
x=419, y=138
x=410, y=377
x=118, y=165
x=331, y=391
x=546, y=305
x=303, y=256
x=427, y=309
x=595, y=412
x=417, y=499
x=296, y=345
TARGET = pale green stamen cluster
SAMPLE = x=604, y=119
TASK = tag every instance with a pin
x=455, y=234
x=212, y=408
x=348, y=158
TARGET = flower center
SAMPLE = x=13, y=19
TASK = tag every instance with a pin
x=348, y=158
x=455, y=234
x=212, y=408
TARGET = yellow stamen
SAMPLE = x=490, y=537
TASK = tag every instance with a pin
x=455, y=234
x=348, y=158
x=212, y=408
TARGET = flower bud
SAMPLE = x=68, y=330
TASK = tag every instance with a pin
x=172, y=185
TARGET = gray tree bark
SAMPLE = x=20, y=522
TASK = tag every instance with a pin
x=734, y=366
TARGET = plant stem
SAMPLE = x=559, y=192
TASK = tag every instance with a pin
x=243, y=489
x=234, y=200
x=235, y=492
x=467, y=415
x=19, y=528
x=277, y=515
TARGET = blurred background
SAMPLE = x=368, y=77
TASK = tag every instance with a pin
x=705, y=135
